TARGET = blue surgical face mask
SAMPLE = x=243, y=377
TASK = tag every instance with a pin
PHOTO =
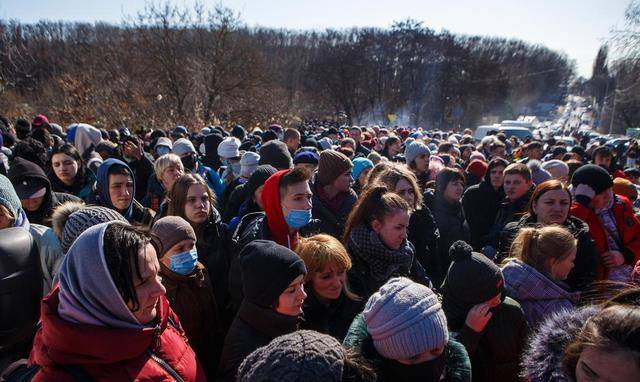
x=162, y=150
x=298, y=218
x=185, y=262
x=236, y=167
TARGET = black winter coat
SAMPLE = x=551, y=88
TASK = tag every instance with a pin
x=481, y=203
x=507, y=213
x=252, y=328
x=332, y=223
x=333, y=319
x=583, y=273
x=424, y=235
x=142, y=170
x=232, y=208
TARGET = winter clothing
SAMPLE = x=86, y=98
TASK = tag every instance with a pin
x=473, y=279
x=169, y=231
x=332, y=164
x=624, y=187
x=142, y=170
x=304, y=355
x=583, y=273
x=509, y=211
x=332, y=213
x=155, y=195
x=538, y=295
x=359, y=165
x=229, y=148
x=538, y=174
x=25, y=176
x=594, y=176
x=183, y=146
x=424, y=235
x=243, y=194
x=405, y=319
x=276, y=154
x=309, y=157
x=72, y=219
x=212, y=178
x=456, y=367
x=542, y=360
x=278, y=228
x=333, y=319
x=84, y=137
x=82, y=186
x=51, y=254
x=249, y=163
x=415, y=149
x=8, y=197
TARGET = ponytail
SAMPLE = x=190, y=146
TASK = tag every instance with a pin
x=535, y=246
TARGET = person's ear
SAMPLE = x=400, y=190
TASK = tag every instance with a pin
x=376, y=226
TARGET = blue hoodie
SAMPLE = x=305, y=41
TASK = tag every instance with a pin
x=102, y=185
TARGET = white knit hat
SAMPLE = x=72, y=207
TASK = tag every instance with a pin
x=249, y=163
x=229, y=148
x=183, y=146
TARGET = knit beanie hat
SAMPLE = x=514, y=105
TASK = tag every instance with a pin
x=538, y=174
x=404, y=319
x=594, y=176
x=169, y=231
x=239, y=132
x=164, y=141
x=275, y=153
x=477, y=155
x=359, y=165
x=257, y=179
x=304, y=355
x=556, y=166
x=325, y=143
x=267, y=270
x=414, y=150
x=269, y=136
x=249, y=163
x=229, y=148
x=477, y=168
x=8, y=197
x=624, y=187
x=472, y=278
x=183, y=146
x=332, y=164
x=72, y=219
x=309, y=157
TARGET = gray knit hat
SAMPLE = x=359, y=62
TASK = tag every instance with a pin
x=183, y=146
x=303, y=355
x=415, y=149
x=276, y=154
x=169, y=231
x=80, y=220
x=8, y=196
x=404, y=319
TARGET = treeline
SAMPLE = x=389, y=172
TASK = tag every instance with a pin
x=196, y=66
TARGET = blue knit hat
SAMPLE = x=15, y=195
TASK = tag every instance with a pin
x=404, y=319
x=360, y=164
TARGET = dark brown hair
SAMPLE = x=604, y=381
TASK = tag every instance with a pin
x=177, y=197
x=544, y=187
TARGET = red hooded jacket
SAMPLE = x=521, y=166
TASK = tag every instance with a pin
x=278, y=227
x=628, y=229
x=108, y=354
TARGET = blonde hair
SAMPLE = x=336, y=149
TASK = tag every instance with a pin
x=165, y=162
x=535, y=246
x=320, y=251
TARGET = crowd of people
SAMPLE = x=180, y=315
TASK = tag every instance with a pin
x=315, y=253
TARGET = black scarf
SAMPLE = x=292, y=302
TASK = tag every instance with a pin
x=383, y=262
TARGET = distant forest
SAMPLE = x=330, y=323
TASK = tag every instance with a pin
x=198, y=66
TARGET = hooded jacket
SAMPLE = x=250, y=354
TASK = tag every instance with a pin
x=538, y=295
x=82, y=186
x=481, y=203
x=22, y=170
x=332, y=222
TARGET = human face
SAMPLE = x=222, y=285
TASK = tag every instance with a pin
x=421, y=163
x=343, y=182
x=170, y=175
x=395, y=148
x=496, y=176
x=307, y=166
x=602, y=161
x=406, y=191
x=296, y=197
x=536, y=153
x=552, y=207
x=5, y=218
x=328, y=283
x=602, y=200
x=429, y=355
x=120, y=191
x=356, y=135
x=362, y=178
x=392, y=230
x=465, y=154
x=453, y=191
x=515, y=186
x=32, y=204
x=179, y=247
x=257, y=196
x=604, y=365
x=293, y=143
x=148, y=286
x=65, y=167
x=198, y=206
x=559, y=269
x=290, y=301
x=498, y=152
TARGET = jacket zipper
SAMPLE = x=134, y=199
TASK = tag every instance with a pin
x=165, y=366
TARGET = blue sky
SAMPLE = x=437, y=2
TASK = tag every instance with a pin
x=577, y=27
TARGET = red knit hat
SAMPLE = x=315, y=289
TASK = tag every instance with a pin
x=477, y=168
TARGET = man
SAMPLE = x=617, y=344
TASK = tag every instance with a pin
x=286, y=197
x=497, y=149
x=603, y=157
x=333, y=197
x=34, y=190
x=291, y=138
x=189, y=157
x=115, y=189
x=355, y=133
x=518, y=187
x=481, y=202
x=532, y=151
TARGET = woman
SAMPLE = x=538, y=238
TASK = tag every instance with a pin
x=423, y=232
x=541, y=260
x=166, y=169
x=191, y=199
x=272, y=283
x=403, y=333
x=330, y=306
x=360, y=173
x=376, y=239
x=446, y=204
x=550, y=204
x=108, y=317
x=417, y=159
x=68, y=173
x=189, y=288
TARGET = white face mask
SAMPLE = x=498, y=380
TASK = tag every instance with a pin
x=202, y=149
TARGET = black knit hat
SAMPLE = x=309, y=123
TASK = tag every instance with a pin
x=594, y=176
x=267, y=270
x=257, y=178
x=276, y=154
